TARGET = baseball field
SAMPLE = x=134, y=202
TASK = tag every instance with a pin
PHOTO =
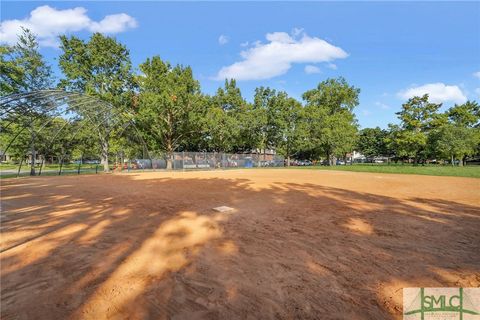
x=306, y=244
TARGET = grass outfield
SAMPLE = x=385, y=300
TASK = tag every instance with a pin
x=10, y=171
x=430, y=170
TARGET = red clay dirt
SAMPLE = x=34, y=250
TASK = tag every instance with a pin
x=299, y=244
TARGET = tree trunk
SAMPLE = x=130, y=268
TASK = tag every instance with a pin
x=453, y=162
x=105, y=148
x=288, y=160
x=20, y=167
x=170, y=156
x=41, y=166
x=333, y=160
x=33, y=153
x=169, y=160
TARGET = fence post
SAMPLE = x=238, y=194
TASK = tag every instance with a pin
x=96, y=168
x=41, y=165
x=183, y=160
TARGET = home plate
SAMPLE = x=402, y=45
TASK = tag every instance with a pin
x=223, y=209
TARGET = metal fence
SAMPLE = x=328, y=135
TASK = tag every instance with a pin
x=175, y=161
x=204, y=161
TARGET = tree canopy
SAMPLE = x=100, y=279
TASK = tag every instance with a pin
x=168, y=112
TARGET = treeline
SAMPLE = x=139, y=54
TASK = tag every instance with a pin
x=425, y=134
x=170, y=112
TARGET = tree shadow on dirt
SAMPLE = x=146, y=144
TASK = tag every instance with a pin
x=134, y=248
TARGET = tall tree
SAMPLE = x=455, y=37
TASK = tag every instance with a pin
x=330, y=121
x=100, y=67
x=25, y=71
x=418, y=117
x=11, y=74
x=465, y=115
x=220, y=128
x=279, y=117
x=372, y=142
x=461, y=136
x=242, y=119
x=456, y=142
x=168, y=104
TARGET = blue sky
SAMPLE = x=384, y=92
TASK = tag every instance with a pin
x=390, y=50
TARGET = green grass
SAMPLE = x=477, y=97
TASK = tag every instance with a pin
x=431, y=170
x=5, y=166
x=48, y=170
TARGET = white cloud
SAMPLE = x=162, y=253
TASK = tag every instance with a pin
x=223, y=39
x=365, y=112
x=114, y=23
x=297, y=32
x=48, y=23
x=332, y=66
x=382, y=105
x=274, y=58
x=437, y=92
x=244, y=44
x=477, y=74
x=310, y=69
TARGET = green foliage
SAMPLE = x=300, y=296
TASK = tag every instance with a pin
x=220, y=129
x=455, y=142
x=372, y=142
x=169, y=106
x=465, y=115
x=234, y=123
x=36, y=74
x=417, y=118
x=171, y=114
x=100, y=67
x=278, y=119
x=424, y=133
x=11, y=74
x=330, y=122
x=25, y=70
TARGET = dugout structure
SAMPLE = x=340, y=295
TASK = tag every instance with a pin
x=51, y=131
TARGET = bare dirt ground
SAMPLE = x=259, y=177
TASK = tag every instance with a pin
x=300, y=244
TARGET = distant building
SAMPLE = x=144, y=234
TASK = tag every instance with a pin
x=5, y=157
x=360, y=158
x=356, y=157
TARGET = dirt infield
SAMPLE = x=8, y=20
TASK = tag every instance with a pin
x=299, y=244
